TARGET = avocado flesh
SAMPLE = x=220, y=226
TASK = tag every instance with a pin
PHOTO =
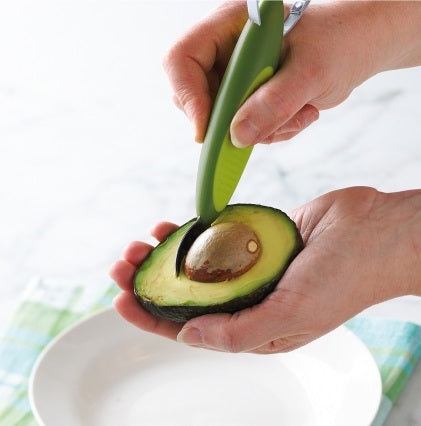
x=179, y=298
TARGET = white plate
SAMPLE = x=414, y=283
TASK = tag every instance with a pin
x=103, y=371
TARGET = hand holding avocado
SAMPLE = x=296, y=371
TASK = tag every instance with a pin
x=333, y=49
x=232, y=265
x=361, y=247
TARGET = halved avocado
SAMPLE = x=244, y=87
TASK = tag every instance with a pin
x=179, y=299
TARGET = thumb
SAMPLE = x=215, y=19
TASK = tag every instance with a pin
x=243, y=331
x=271, y=106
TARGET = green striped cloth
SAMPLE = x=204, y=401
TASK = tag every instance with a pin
x=45, y=310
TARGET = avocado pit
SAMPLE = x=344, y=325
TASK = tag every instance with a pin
x=222, y=252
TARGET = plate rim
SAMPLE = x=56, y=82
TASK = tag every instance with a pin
x=108, y=310
x=46, y=351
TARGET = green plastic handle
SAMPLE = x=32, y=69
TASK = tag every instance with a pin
x=254, y=60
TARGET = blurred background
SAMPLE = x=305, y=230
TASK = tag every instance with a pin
x=93, y=152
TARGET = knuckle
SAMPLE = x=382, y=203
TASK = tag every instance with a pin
x=278, y=346
x=277, y=106
x=273, y=137
x=281, y=345
x=231, y=342
x=171, y=56
x=366, y=195
x=273, y=99
x=167, y=60
x=132, y=246
x=298, y=122
x=313, y=71
x=270, y=139
x=177, y=102
x=182, y=97
x=286, y=136
x=284, y=345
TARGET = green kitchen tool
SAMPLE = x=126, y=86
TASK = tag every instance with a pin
x=254, y=60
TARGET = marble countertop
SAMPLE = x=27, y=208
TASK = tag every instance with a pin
x=94, y=152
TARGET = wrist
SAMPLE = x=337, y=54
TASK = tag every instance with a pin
x=394, y=31
x=395, y=245
x=414, y=202
x=373, y=36
x=405, y=216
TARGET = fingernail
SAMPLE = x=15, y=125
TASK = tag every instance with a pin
x=190, y=336
x=245, y=133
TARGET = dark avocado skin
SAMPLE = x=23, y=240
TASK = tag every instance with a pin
x=183, y=313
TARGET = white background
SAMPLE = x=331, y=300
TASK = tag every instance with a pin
x=93, y=152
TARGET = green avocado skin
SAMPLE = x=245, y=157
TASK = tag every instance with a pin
x=183, y=313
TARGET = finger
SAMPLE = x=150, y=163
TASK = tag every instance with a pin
x=191, y=59
x=280, y=138
x=122, y=272
x=190, y=85
x=243, y=331
x=136, y=252
x=271, y=107
x=161, y=230
x=177, y=103
x=302, y=119
x=130, y=309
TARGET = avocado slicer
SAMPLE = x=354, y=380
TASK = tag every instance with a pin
x=254, y=60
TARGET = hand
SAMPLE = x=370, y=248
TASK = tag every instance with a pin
x=361, y=247
x=333, y=49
